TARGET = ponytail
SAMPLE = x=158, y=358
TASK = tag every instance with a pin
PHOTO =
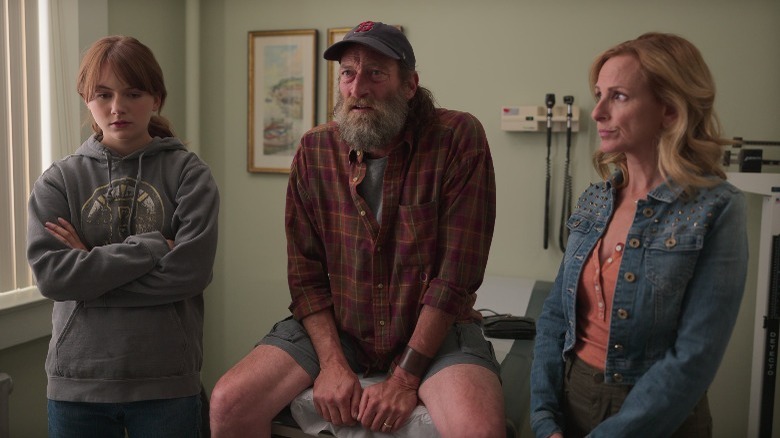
x=159, y=126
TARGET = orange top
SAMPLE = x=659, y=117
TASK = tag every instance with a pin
x=594, y=305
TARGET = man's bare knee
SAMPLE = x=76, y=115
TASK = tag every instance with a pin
x=249, y=396
x=465, y=401
x=231, y=410
x=222, y=402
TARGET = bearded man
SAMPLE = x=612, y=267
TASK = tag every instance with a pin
x=389, y=219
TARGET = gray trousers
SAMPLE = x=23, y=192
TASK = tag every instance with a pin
x=589, y=401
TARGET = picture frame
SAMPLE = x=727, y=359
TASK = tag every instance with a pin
x=336, y=34
x=282, y=94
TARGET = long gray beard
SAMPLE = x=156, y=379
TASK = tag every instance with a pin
x=371, y=132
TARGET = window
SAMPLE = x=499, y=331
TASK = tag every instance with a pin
x=20, y=127
x=39, y=122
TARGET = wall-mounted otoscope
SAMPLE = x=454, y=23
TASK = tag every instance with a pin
x=566, y=203
x=549, y=100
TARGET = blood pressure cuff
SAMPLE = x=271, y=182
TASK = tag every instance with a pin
x=509, y=327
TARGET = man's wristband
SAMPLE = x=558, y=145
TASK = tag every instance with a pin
x=414, y=362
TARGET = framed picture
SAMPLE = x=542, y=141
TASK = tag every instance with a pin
x=282, y=96
x=334, y=35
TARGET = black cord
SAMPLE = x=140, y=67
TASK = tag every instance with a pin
x=494, y=313
x=549, y=101
x=566, y=202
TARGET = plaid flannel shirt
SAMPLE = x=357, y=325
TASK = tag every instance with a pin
x=432, y=245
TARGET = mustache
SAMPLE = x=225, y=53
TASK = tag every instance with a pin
x=372, y=129
x=353, y=102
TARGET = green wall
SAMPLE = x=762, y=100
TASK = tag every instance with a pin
x=474, y=56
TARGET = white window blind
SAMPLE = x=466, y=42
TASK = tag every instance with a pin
x=20, y=147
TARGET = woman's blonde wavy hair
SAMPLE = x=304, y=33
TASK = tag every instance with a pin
x=690, y=149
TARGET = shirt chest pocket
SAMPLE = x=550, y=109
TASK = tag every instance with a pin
x=416, y=232
x=671, y=260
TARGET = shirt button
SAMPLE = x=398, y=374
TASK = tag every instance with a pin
x=362, y=213
x=619, y=347
x=379, y=286
x=378, y=249
x=382, y=323
x=617, y=377
x=354, y=178
x=629, y=277
x=622, y=313
x=618, y=247
x=609, y=260
x=647, y=212
x=633, y=243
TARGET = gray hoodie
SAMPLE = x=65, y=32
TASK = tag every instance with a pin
x=128, y=313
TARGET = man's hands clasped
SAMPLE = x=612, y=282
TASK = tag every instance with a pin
x=383, y=407
x=337, y=395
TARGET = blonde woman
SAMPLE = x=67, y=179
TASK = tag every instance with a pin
x=649, y=288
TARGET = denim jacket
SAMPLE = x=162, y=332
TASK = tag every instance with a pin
x=676, y=300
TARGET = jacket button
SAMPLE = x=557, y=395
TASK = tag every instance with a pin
x=622, y=314
x=629, y=277
x=618, y=347
x=634, y=242
x=670, y=242
x=617, y=377
x=647, y=212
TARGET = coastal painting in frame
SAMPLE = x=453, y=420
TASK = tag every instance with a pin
x=282, y=96
x=334, y=35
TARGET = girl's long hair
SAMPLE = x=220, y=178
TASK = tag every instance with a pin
x=134, y=64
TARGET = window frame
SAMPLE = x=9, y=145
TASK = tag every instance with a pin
x=20, y=123
x=25, y=314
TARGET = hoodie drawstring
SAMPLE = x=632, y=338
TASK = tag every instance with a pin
x=130, y=221
x=110, y=189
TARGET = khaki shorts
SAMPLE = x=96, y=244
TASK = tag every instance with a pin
x=464, y=344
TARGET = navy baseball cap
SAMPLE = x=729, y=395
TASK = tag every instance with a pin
x=385, y=39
